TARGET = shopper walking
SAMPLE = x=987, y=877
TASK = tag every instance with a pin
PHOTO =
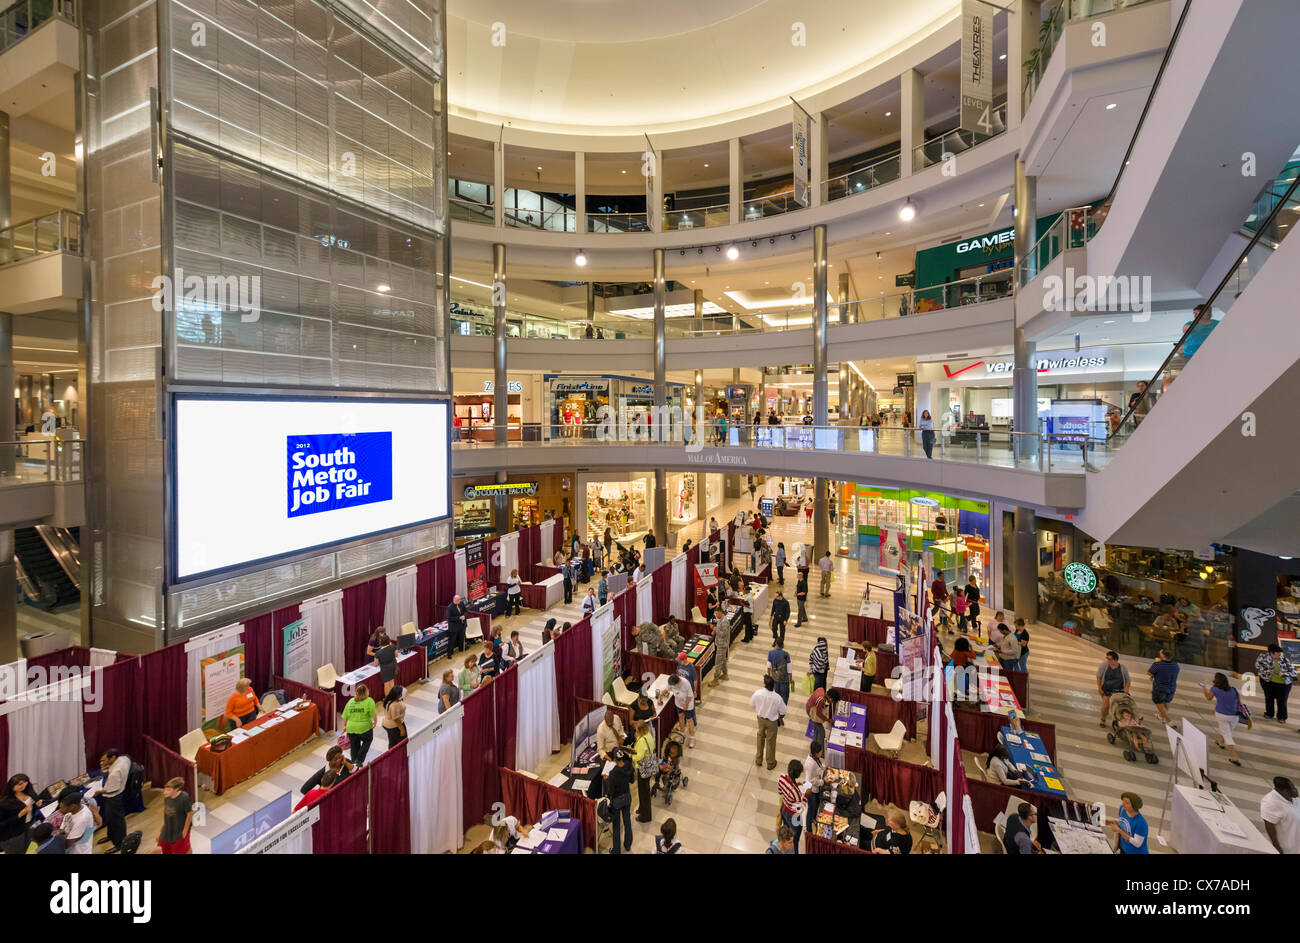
x=801, y=599
x=1112, y=677
x=818, y=663
x=938, y=598
x=768, y=708
x=927, y=433
x=1164, y=682
x=1227, y=713
x=780, y=563
x=1277, y=673
x=827, y=566
x=973, y=603
x=781, y=615
x=778, y=667
x=1280, y=810
x=359, y=723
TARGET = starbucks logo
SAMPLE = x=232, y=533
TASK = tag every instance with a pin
x=1080, y=578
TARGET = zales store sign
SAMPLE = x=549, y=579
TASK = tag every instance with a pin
x=715, y=457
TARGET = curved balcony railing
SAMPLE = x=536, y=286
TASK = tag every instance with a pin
x=774, y=204
x=617, y=222
x=1052, y=28
x=904, y=302
x=699, y=217
x=885, y=170
x=55, y=232
x=935, y=150
x=559, y=220
x=1060, y=453
x=21, y=18
x=34, y=460
x=470, y=211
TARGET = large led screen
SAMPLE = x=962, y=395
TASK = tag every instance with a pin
x=260, y=478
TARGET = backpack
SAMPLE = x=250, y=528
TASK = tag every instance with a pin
x=134, y=780
x=781, y=673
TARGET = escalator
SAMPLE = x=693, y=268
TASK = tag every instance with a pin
x=48, y=562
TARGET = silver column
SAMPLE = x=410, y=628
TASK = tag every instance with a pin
x=701, y=414
x=1024, y=381
x=500, y=379
x=699, y=311
x=4, y=171
x=8, y=577
x=661, y=423
x=591, y=304
x=845, y=396
x=821, y=511
x=846, y=316
x=1024, y=566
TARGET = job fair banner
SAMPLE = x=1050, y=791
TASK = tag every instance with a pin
x=218, y=675
x=297, y=652
x=261, y=478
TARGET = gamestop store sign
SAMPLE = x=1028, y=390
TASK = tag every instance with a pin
x=257, y=479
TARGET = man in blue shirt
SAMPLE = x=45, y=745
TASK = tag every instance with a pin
x=567, y=571
x=602, y=588
x=1164, y=682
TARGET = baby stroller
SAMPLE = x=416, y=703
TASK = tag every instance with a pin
x=670, y=775
x=1136, y=738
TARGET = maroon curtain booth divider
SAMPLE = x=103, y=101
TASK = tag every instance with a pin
x=480, y=784
x=426, y=582
x=988, y=799
x=390, y=803
x=572, y=673
x=893, y=782
x=816, y=845
x=279, y=619
x=625, y=609
x=164, y=687
x=259, y=648
x=161, y=764
x=116, y=722
x=74, y=656
x=326, y=718
x=1019, y=681
x=661, y=594
x=527, y=798
x=505, y=708
x=875, y=631
x=4, y=749
x=585, y=705
x=341, y=829
x=363, y=612
x=882, y=711
x=444, y=585
x=977, y=731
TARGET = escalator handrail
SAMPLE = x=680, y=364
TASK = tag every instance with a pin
x=63, y=555
x=1207, y=308
x=25, y=581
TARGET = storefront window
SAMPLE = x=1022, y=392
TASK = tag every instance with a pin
x=473, y=518
x=683, y=500
x=619, y=506
x=896, y=526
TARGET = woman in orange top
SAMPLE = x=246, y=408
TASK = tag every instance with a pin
x=241, y=707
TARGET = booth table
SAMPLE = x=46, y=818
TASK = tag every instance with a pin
x=545, y=594
x=571, y=844
x=995, y=690
x=846, y=730
x=267, y=739
x=1079, y=838
x=436, y=641
x=1203, y=824
x=701, y=652
x=847, y=674
x=411, y=667
x=1026, y=749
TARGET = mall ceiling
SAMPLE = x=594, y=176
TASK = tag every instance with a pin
x=626, y=66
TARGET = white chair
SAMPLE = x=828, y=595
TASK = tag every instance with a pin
x=893, y=684
x=984, y=774
x=190, y=743
x=892, y=742
x=999, y=832
x=270, y=703
x=326, y=677
x=408, y=628
x=622, y=696
x=606, y=699
x=474, y=627
x=696, y=615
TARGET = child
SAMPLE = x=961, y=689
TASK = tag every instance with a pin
x=178, y=815
x=1138, y=733
x=959, y=609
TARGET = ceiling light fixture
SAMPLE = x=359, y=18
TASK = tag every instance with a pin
x=383, y=288
x=706, y=165
x=907, y=212
x=888, y=114
x=733, y=253
x=1002, y=57
x=624, y=171
x=580, y=259
x=1112, y=106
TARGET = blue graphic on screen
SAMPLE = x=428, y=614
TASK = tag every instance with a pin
x=338, y=470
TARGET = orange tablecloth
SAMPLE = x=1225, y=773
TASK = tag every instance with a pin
x=244, y=759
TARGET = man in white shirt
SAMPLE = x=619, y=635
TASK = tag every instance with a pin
x=827, y=566
x=637, y=574
x=769, y=709
x=684, y=697
x=78, y=824
x=1280, y=810
x=713, y=525
x=589, y=602
x=116, y=767
x=609, y=735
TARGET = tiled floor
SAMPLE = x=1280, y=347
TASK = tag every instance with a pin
x=730, y=805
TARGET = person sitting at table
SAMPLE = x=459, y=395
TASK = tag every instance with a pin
x=468, y=678
x=512, y=650
x=1018, y=837
x=653, y=638
x=963, y=657
x=394, y=722
x=894, y=839
x=336, y=763
x=548, y=631
x=76, y=822
x=488, y=665
x=848, y=797
x=610, y=734
x=326, y=781
x=1167, y=624
x=673, y=634
x=241, y=706
x=1002, y=771
x=45, y=841
x=386, y=660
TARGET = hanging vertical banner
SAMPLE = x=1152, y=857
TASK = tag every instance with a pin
x=650, y=170
x=297, y=652
x=802, y=127
x=977, y=66
x=475, y=570
x=219, y=675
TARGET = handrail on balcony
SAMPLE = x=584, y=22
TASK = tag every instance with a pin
x=55, y=232
x=18, y=21
x=32, y=460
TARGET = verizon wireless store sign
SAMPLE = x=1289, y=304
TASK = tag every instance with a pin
x=1087, y=362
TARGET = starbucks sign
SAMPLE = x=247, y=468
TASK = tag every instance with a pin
x=1080, y=577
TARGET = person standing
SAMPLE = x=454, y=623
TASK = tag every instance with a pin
x=780, y=563
x=589, y=603
x=768, y=708
x=778, y=667
x=386, y=661
x=602, y=588
x=938, y=597
x=359, y=723
x=1280, y=810
x=684, y=697
x=722, y=642
x=178, y=816
x=643, y=758
x=1112, y=677
x=780, y=616
x=514, y=594
x=1277, y=673
x=868, y=668
x=819, y=662
x=512, y=650
x=801, y=598
x=1131, y=825
x=1023, y=635
x=1164, y=682
x=567, y=570
x=927, y=433
x=1227, y=713
x=783, y=844
x=792, y=800
x=618, y=789
x=449, y=692
x=394, y=722
x=973, y=603
x=456, y=613
x=117, y=769
x=827, y=566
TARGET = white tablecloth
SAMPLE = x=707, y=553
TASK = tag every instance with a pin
x=871, y=609
x=554, y=589
x=366, y=672
x=1197, y=827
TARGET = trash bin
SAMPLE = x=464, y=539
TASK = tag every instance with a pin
x=40, y=643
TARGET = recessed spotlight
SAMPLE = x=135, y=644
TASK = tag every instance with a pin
x=580, y=259
x=383, y=288
x=981, y=205
x=706, y=165
x=1112, y=106
x=733, y=253
x=539, y=168
x=907, y=212
x=791, y=147
x=1001, y=57
x=1108, y=322
x=889, y=114
x=624, y=171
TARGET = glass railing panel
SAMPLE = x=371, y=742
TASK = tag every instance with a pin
x=57, y=232
x=468, y=211
x=702, y=217
x=617, y=222
x=958, y=140
x=772, y=205
x=864, y=178
x=17, y=21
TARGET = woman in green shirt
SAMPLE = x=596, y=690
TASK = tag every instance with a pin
x=468, y=678
x=359, y=723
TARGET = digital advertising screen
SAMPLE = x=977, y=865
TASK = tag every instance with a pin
x=260, y=478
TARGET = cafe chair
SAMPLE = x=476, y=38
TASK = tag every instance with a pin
x=606, y=699
x=190, y=743
x=1000, y=831
x=622, y=696
x=270, y=703
x=984, y=774
x=892, y=742
x=893, y=684
x=326, y=677
x=696, y=615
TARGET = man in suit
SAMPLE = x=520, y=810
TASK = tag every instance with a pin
x=567, y=570
x=456, y=612
x=780, y=616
